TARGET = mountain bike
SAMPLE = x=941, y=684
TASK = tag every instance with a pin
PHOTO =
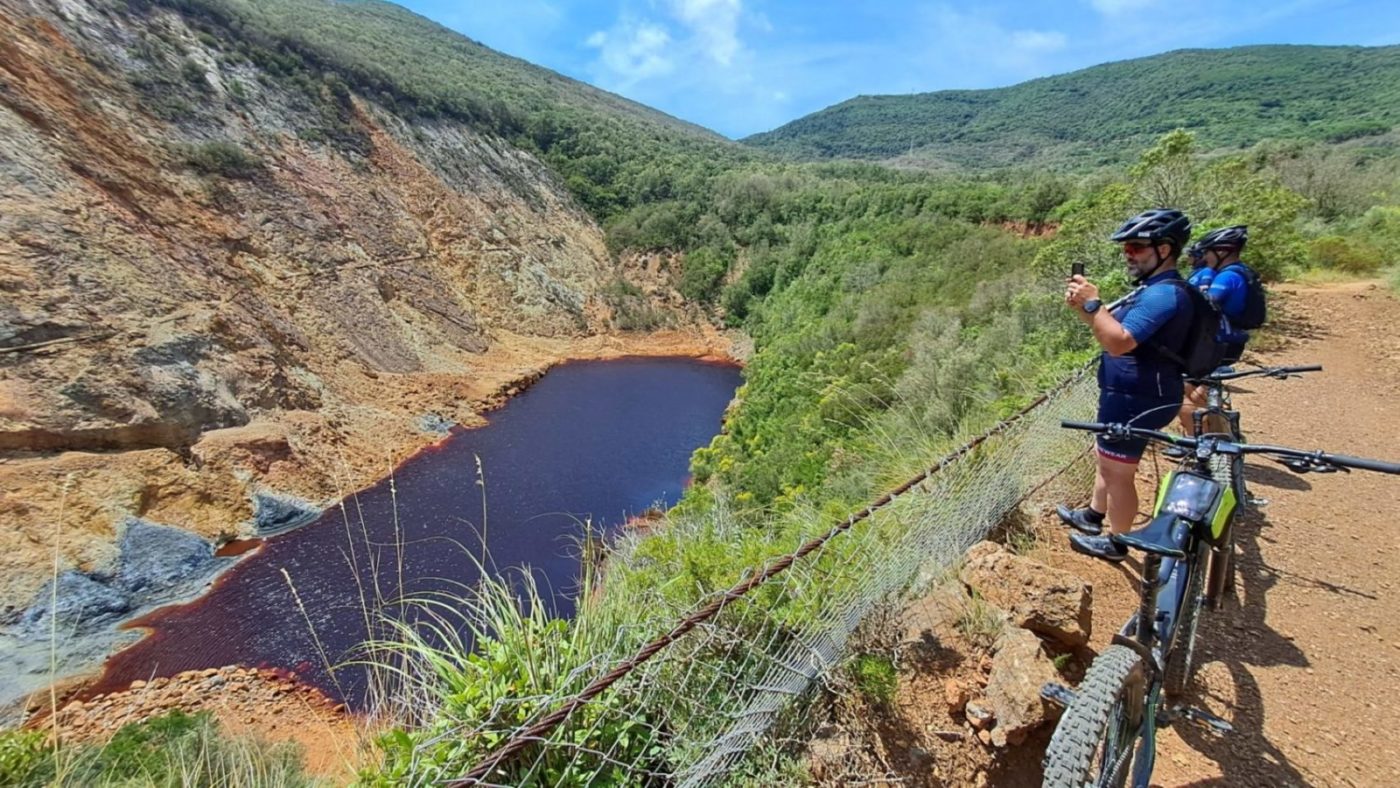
x=1218, y=418
x=1109, y=727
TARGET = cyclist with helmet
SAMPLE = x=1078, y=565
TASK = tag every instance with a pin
x=1137, y=383
x=1225, y=281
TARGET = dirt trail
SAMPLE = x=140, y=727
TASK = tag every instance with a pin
x=1305, y=661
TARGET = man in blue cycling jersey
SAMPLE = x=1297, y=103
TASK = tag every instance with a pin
x=1220, y=277
x=1138, y=384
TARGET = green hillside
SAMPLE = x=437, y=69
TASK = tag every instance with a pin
x=1230, y=98
x=611, y=152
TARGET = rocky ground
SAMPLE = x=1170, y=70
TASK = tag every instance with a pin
x=1300, y=660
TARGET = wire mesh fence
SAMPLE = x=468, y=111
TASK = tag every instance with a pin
x=689, y=707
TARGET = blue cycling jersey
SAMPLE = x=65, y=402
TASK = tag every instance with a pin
x=1201, y=277
x=1229, y=289
x=1159, y=313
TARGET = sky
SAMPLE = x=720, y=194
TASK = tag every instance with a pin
x=744, y=66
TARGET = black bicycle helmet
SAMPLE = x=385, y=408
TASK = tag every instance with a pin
x=1156, y=226
x=1234, y=237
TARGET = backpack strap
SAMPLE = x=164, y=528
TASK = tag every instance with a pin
x=1163, y=350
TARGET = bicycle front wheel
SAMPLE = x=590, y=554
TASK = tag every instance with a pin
x=1096, y=739
x=1181, y=660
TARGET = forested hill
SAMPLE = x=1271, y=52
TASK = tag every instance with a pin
x=1230, y=98
x=609, y=151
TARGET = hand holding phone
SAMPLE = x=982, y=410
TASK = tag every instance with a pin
x=1076, y=269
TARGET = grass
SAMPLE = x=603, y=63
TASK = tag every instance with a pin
x=875, y=677
x=173, y=749
x=1313, y=277
x=980, y=621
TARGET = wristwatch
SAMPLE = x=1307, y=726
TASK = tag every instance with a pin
x=1092, y=305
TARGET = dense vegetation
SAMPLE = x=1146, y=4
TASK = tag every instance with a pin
x=1232, y=99
x=891, y=311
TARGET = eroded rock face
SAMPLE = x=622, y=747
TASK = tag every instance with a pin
x=155, y=564
x=74, y=600
x=158, y=558
x=1048, y=601
x=308, y=303
x=1019, y=669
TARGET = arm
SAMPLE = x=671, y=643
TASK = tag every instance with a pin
x=1108, y=332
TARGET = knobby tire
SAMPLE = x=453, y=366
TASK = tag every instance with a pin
x=1102, y=726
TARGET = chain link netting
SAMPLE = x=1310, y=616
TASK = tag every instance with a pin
x=688, y=707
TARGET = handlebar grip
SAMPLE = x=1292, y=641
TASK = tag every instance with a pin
x=1303, y=368
x=1090, y=426
x=1363, y=463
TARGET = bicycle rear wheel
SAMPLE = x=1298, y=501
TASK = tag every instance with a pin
x=1096, y=739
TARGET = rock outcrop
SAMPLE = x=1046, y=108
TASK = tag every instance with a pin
x=1048, y=601
x=1019, y=669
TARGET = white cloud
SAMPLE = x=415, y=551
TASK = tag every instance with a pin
x=1038, y=40
x=631, y=52
x=973, y=47
x=1117, y=7
x=715, y=24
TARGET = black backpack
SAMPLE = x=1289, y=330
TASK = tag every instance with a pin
x=1201, y=353
x=1255, y=308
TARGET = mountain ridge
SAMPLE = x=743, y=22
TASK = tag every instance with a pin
x=1230, y=97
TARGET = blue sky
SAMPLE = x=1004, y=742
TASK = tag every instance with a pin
x=744, y=66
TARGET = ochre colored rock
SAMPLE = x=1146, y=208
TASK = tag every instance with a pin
x=1019, y=669
x=1048, y=601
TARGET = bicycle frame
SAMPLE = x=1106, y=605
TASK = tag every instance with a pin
x=1163, y=598
x=1192, y=515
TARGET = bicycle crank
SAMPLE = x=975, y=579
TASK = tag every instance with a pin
x=1199, y=717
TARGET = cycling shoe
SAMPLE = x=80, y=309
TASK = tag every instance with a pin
x=1079, y=520
x=1098, y=547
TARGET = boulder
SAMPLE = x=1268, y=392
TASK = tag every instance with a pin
x=274, y=513
x=1048, y=601
x=435, y=424
x=1019, y=669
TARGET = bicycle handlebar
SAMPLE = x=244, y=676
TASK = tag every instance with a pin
x=1319, y=458
x=1268, y=372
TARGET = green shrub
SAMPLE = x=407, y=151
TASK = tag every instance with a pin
x=25, y=758
x=702, y=272
x=1343, y=254
x=875, y=677
x=222, y=158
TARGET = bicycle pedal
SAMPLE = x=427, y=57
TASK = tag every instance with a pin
x=1058, y=694
x=1258, y=502
x=1204, y=719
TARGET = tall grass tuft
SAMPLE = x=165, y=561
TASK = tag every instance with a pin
x=467, y=669
x=173, y=749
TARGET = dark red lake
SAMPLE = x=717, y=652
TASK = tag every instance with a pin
x=591, y=440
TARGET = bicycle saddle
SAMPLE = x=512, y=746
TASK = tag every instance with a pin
x=1165, y=535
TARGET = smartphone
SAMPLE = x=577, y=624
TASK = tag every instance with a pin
x=1076, y=269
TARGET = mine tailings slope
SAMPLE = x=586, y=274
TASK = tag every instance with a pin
x=221, y=282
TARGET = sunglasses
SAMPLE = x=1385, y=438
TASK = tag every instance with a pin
x=1196, y=254
x=1133, y=247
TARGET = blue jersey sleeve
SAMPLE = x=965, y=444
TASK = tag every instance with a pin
x=1201, y=277
x=1154, y=307
x=1228, y=290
